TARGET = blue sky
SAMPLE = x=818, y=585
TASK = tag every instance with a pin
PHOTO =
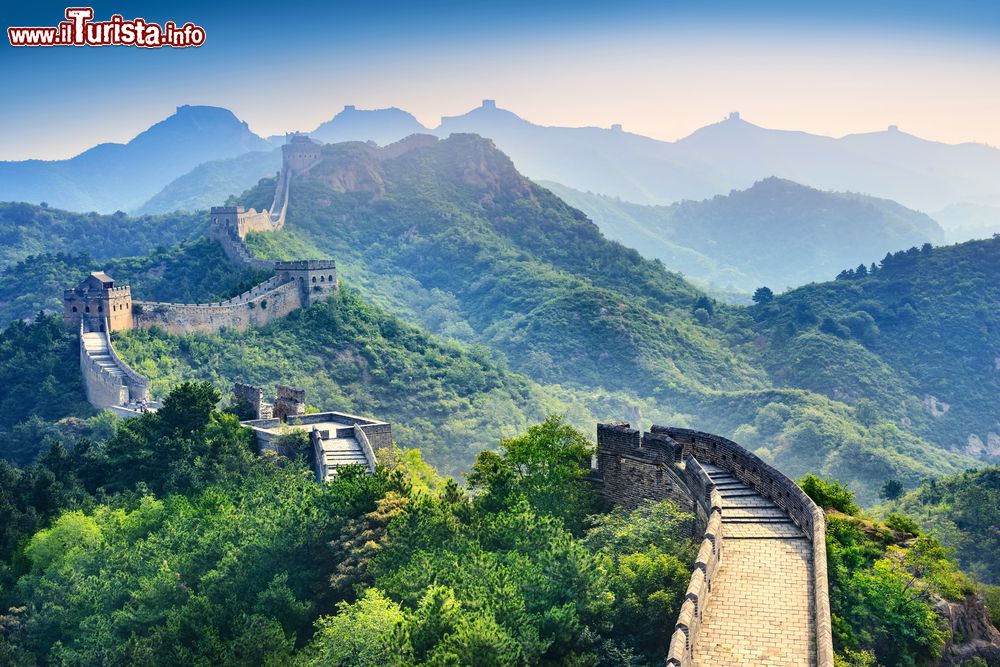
x=658, y=68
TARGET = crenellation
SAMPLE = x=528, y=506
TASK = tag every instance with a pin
x=758, y=530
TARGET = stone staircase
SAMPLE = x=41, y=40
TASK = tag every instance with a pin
x=96, y=346
x=760, y=611
x=108, y=381
x=336, y=452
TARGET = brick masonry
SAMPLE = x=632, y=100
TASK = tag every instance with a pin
x=758, y=593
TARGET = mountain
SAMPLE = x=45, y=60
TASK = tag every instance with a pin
x=111, y=177
x=917, y=342
x=733, y=154
x=451, y=236
x=775, y=233
x=966, y=221
x=211, y=183
x=27, y=230
x=383, y=126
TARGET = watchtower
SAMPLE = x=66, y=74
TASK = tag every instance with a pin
x=299, y=153
x=99, y=304
x=317, y=278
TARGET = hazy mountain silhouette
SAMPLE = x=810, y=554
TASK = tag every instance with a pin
x=122, y=176
x=776, y=233
x=734, y=154
x=383, y=126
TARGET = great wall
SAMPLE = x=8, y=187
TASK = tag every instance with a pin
x=758, y=593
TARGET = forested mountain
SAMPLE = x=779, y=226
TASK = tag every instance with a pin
x=111, y=177
x=776, y=233
x=27, y=230
x=848, y=378
x=163, y=539
x=452, y=237
x=917, y=341
x=212, y=183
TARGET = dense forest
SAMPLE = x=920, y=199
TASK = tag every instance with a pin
x=167, y=541
x=963, y=511
x=27, y=230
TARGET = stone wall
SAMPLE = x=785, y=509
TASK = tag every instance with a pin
x=633, y=468
x=103, y=390
x=782, y=491
x=250, y=398
x=666, y=463
x=268, y=301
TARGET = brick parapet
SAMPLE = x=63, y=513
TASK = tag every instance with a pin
x=782, y=491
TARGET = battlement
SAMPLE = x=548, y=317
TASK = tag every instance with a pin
x=227, y=210
x=305, y=265
x=770, y=534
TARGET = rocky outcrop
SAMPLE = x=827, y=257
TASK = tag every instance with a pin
x=971, y=635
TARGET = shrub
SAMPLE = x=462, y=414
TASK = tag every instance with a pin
x=830, y=494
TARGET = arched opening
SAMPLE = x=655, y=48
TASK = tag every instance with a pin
x=100, y=309
x=74, y=309
x=86, y=309
x=314, y=278
x=322, y=279
x=330, y=278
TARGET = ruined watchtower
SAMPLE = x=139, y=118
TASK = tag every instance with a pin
x=99, y=304
x=299, y=153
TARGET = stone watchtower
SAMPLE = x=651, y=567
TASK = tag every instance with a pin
x=299, y=153
x=317, y=278
x=99, y=304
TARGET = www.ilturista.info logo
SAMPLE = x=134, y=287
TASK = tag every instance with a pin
x=79, y=29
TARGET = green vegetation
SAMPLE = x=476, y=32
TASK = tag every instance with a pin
x=913, y=342
x=777, y=232
x=27, y=230
x=963, y=511
x=449, y=401
x=192, y=272
x=884, y=581
x=39, y=384
x=218, y=557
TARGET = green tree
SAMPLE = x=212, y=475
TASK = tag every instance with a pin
x=891, y=490
x=545, y=466
x=763, y=295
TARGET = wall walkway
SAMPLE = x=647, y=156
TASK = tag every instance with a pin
x=758, y=593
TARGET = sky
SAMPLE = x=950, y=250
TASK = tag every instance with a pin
x=661, y=68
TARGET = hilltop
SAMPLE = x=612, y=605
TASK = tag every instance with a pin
x=776, y=233
x=111, y=177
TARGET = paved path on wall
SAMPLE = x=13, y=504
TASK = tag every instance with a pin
x=760, y=610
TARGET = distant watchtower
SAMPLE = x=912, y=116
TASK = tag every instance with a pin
x=299, y=153
x=99, y=304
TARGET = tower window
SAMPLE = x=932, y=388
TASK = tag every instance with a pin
x=74, y=309
x=314, y=278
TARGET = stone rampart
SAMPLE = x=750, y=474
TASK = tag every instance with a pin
x=633, y=467
x=264, y=303
x=103, y=390
x=783, y=492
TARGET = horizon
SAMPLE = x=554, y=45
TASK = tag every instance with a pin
x=661, y=72
x=433, y=127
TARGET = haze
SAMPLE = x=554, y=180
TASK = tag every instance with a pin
x=662, y=72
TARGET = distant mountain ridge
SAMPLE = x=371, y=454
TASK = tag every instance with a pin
x=111, y=177
x=776, y=233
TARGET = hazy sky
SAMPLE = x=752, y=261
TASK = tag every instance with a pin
x=659, y=68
